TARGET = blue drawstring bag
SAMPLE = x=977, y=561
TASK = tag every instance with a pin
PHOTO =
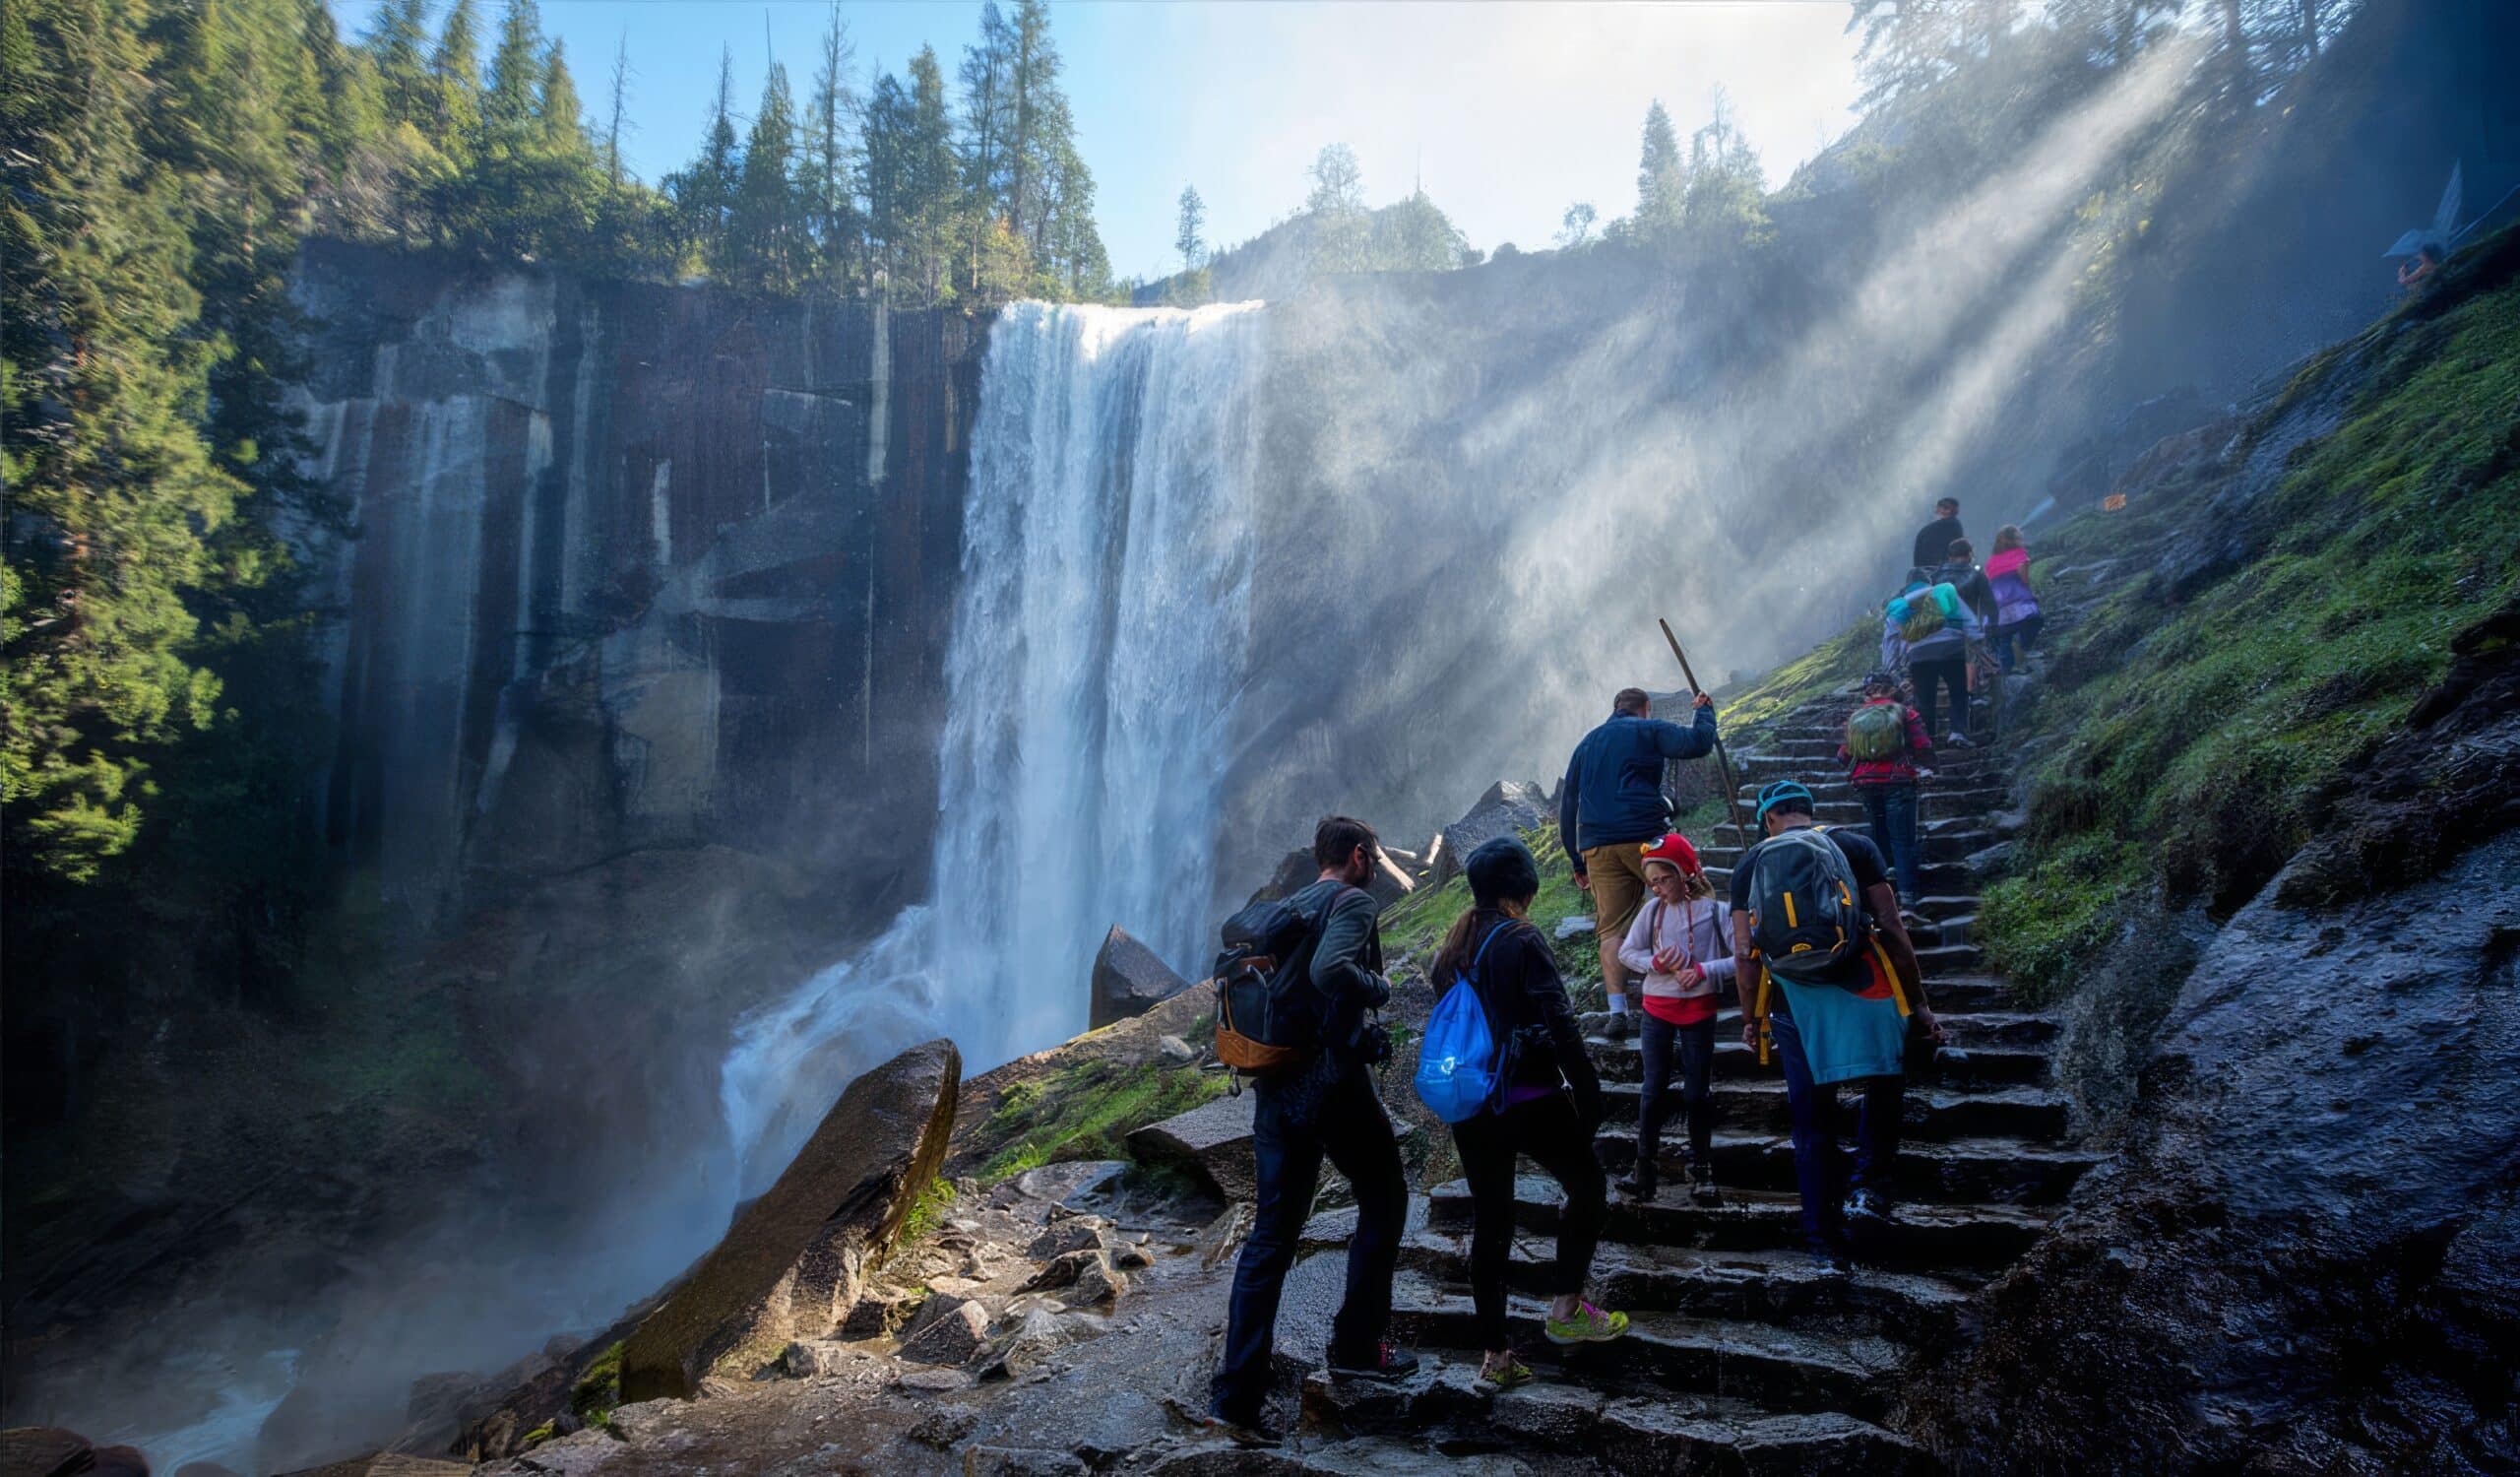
x=1460, y=1069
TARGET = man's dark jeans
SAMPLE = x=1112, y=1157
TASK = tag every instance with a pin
x=1349, y=1127
x=1817, y=1168
x=1890, y=812
x=1933, y=676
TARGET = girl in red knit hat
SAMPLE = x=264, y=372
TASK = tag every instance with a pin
x=1682, y=945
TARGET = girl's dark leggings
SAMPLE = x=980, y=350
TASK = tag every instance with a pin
x=1692, y=1048
x=1555, y=1138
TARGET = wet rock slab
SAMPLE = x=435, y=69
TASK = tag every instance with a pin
x=795, y=1262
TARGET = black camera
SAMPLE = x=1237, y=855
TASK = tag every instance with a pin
x=1373, y=1043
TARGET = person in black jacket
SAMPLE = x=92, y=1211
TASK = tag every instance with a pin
x=1547, y=1110
x=1933, y=541
x=1323, y=1108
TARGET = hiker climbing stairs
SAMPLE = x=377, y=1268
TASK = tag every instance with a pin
x=1741, y=1349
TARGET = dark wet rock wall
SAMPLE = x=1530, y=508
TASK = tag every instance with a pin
x=633, y=566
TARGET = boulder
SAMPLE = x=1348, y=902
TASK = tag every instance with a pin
x=794, y=1264
x=953, y=1338
x=1078, y=1233
x=1035, y=1337
x=1069, y=1181
x=1129, y=979
x=380, y=1464
x=1508, y=808
x=44, y=1451
x=1213, y=1143
x=1021, y=1461
x=878, y=1312
x=817, y=1358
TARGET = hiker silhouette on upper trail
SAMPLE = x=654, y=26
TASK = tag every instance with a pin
x=1681, y=946
x=1610, y=805
x=1928, y=631
x=2017, y=618
x=1547, y=1103
x=1933, y=541
x=1817, y=928
x=1887, y=750
x=1320, y=1102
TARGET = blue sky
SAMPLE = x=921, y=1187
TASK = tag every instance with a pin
x=1512, y=110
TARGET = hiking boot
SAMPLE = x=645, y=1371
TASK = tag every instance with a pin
x=1255, y=1432
x=1589, y=1325
x=1702, y=1186
x=1497, y=1375
x=1638, y=1188
x=1868, y=1208
x=1385, y=1363
x=1832, y=1264
x=1959, y=741
x=1619, y=1029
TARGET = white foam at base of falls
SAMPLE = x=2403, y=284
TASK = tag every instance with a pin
x=1098, y=643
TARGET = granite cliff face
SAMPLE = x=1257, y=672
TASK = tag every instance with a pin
x=636, y=568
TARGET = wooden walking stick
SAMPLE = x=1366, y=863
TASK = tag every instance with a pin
x=1732, y=788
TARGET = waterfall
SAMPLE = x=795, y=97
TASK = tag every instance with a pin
x=1096, y=652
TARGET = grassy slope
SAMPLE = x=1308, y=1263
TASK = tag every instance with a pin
x=2183, y=747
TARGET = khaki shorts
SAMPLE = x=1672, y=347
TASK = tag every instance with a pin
x=1618, y=886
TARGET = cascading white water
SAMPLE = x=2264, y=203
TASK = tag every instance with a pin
x=1097, y=648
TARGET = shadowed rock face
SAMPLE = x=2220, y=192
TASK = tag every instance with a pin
x=635, y=566
x=2310, y=1255
x=796, y=1259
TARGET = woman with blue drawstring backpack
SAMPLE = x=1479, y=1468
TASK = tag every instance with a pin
x=1537, y=1095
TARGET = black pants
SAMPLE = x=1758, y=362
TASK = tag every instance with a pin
x=1947, y=671
x=1558, y=1138
x=1694, y=1048
x=1349, y=1127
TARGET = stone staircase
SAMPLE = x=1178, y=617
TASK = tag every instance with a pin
x=1742, y=1356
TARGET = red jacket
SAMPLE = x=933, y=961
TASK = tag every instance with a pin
x=1898, y=769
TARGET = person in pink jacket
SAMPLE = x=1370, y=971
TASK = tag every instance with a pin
x=2016, y=604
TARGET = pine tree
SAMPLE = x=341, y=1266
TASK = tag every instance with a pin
x=112, y=490
x=1660, y=188
x=559, y=116
x=516, y=75
x=987, y=124
x=354, y=104
x=1337, y=207
x=455, y=77
x=932, y=175
x=614, y=122
x=1186, y=239
x=766, y=229
x=828, y=170
x=704, y=192
x=399, y=41
x=1033, y=72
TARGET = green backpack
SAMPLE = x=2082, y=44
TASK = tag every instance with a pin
x=1876, y=731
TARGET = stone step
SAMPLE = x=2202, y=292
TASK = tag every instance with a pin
x=1989, y=1060
x=1777, y=1368
x=1950, y=826
x=1757, y=1105
x=1920, y=1236
x=1956, y=763
x=1944, y=879
x=1962, y=1171
x=1945, y=795
x=1779, y=1287
x=1590, y=1419
x=1973, y=1030
x=1952, y=846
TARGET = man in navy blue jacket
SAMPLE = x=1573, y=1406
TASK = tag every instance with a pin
x=1611, y=806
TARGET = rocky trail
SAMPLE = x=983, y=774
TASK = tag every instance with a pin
x=1740, y=1355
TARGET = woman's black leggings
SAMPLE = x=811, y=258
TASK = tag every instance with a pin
x=1556, y=1136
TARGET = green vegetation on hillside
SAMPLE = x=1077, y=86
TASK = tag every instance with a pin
x=2185, y=743
x=1085, y=1112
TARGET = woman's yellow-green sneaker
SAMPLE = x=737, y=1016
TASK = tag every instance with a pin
x=1501, y=1375
x=1589, y=1325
